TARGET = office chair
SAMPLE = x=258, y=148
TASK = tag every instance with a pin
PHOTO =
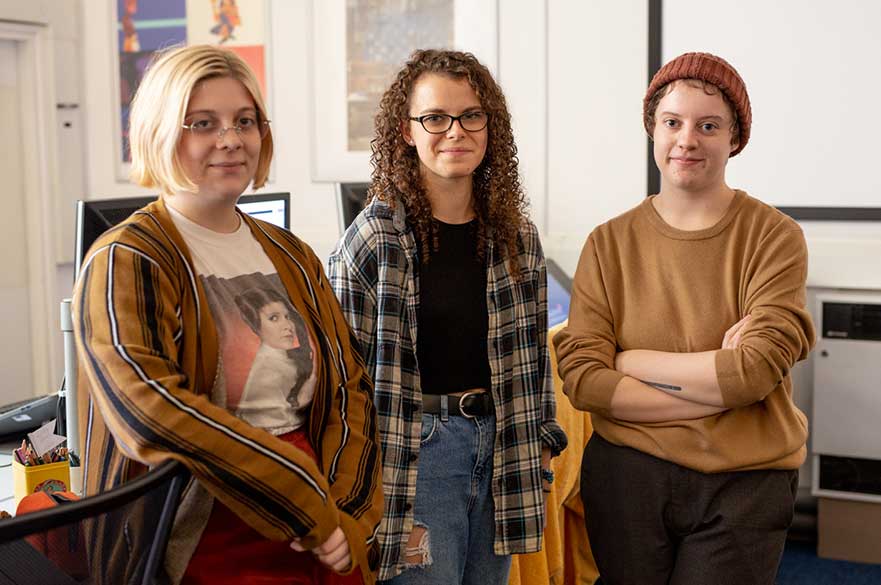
x=117, y=537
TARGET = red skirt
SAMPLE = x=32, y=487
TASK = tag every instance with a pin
x=232, y=553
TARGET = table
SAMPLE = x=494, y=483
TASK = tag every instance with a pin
x=7, y=499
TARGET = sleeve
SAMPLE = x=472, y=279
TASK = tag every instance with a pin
x=128, y=327
x=350, y=447
x=780, y=332
x=586, y=347
x=352, y=270
x=552, y=434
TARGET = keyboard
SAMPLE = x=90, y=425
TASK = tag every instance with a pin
x=20, y=403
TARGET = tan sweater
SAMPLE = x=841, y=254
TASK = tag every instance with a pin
x=642, y=284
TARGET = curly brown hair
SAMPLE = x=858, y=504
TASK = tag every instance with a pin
x=499, y=202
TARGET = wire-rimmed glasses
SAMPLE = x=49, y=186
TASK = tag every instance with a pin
x=246, y=127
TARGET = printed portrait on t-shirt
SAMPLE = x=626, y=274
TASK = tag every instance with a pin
x=268, y=372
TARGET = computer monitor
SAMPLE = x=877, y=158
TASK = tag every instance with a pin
x=272, y=207
x=559, y=293
x=26, y=415
x=351, y=198
x=95, y=217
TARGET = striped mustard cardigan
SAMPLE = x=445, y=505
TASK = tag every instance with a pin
x=148, y=357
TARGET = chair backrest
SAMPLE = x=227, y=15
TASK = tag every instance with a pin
x=117, y=537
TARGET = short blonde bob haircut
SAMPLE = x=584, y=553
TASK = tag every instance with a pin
x=160, y=106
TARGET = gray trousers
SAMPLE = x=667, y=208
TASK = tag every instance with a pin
x=652, y=522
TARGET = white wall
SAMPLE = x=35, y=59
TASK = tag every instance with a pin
x=15, y=304
x=574, y=73
x=37, y=11
x=313, y=210
x=556, y=70
x=57, y=79
x=807, y=66
x=596, y=144
x=809, y=69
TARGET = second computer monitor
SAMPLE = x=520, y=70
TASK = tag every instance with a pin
x=351, y=198
x=95, y=217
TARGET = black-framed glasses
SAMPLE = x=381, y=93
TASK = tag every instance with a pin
x=474, y=121
x=246, y=127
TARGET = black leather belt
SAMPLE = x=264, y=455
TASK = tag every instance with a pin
x=469, y=404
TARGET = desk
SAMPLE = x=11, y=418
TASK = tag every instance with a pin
x=7, y=499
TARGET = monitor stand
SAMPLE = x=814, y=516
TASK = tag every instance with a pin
x=68, y=393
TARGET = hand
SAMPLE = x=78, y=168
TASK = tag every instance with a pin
x=732, y=336
x=545, y=486
x=333, y=553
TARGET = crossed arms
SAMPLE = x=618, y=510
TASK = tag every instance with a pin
x=646, y=386
x=661, y=386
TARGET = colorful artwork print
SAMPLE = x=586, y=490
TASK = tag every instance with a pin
x=226, y=15
x=146, y=26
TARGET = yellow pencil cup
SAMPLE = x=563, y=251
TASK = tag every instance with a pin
x=50, y=477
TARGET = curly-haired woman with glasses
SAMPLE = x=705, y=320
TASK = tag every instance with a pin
x=444, y=248
x=168, y=356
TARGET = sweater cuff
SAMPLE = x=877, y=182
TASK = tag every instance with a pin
x=594, y=392
x=740, y=377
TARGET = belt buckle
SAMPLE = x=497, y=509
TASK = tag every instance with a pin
x=462, y=404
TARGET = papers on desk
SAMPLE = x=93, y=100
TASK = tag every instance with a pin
x=42, y=447
x=44, y=439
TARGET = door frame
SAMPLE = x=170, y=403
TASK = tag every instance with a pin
x=38, y=147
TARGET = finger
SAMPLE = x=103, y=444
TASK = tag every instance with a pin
x=338, y=560
x=333, y=558
x=295, y=544
x=333, y=542
x=738, y=326
x=343, y=564
x=342, y=550
x=736, y=341
x=732, y=331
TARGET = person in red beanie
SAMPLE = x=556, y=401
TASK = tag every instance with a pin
x=688, y=313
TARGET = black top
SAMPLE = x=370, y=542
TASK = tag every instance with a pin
x=453, y=322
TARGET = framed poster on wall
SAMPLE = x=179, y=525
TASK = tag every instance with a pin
x=145, y=27
x=358, y=46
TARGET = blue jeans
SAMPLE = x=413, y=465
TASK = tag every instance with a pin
x=454, y=504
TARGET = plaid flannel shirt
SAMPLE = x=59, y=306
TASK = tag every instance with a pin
x=373, y=271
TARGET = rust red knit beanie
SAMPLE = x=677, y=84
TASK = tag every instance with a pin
x=711, y=69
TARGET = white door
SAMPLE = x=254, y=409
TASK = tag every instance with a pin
x=16, y=366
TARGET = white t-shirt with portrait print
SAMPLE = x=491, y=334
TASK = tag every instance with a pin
x=266, y=371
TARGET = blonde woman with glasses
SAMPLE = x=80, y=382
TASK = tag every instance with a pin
x=294, y=495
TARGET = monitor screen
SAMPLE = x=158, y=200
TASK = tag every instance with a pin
x=93, y=218
x=271, y=207
x=559, y=292
x=351, y=198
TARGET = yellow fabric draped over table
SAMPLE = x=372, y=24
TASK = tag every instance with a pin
x=566, y=558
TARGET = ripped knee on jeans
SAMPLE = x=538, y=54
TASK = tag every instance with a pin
x=418, y=551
